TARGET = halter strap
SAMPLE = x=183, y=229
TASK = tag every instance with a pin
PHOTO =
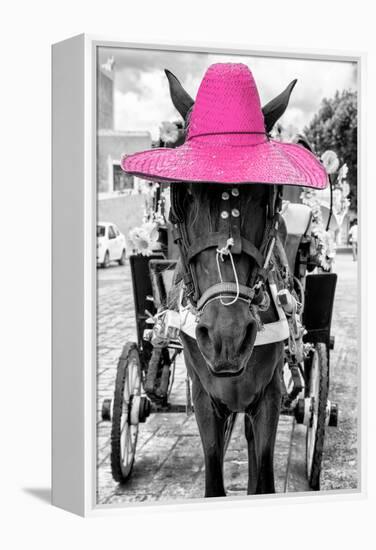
x=225, y=290
x=189, y=250
x=211, y=240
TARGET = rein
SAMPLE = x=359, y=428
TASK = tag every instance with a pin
x=226, y=251
x=227, y=242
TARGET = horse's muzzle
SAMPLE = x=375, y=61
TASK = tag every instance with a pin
x=225, y=337
x=226, y=369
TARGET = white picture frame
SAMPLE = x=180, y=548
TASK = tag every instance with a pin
x=74, y=268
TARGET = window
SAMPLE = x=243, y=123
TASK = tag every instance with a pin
x=111, y=232
x=101, y=231
x=122, y=180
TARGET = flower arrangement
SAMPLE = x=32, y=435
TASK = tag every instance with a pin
x=325, y=245
x=169, y=132
x=341, y=190
x=144, y=239
x=324, y=238
x=330, y=161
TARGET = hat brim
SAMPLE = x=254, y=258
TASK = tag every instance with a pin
x=270, y=162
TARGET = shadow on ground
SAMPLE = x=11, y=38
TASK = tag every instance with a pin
x=41, y=493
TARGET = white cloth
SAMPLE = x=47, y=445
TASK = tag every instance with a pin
x=297, y=217
x=276, y=331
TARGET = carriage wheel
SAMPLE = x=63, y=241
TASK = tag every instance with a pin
x=318, y=393
x=125, y=415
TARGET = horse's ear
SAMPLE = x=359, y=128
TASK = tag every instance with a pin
x=277, y=106
x=180, y=98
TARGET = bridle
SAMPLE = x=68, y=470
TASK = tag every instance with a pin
x=227, y=241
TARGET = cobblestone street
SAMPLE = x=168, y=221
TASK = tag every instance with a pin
x=169, y=460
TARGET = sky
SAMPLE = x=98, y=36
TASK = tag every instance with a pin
x=142, y=100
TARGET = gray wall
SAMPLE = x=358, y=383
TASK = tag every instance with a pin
x=125, y=211
x=113, y=145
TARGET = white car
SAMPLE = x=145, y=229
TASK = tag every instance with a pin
x=110, y=244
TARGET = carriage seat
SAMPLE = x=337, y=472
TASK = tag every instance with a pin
x=297, y=218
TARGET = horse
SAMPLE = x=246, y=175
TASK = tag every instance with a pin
x=229, y=374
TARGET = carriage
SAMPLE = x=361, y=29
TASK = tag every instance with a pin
x=145, y=371
x=280, y=295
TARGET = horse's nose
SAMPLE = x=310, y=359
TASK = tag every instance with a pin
x=225, y=345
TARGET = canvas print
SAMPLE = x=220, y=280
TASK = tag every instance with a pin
x=227, y=289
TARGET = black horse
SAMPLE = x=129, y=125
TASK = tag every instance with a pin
x=229, y=374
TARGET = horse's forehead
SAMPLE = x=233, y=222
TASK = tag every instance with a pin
x=247, y=191
x=214, y=206
x=212, y=200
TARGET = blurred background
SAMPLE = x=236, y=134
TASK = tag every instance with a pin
x=134, y=104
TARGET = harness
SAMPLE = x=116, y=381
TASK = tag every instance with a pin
x=227, y=241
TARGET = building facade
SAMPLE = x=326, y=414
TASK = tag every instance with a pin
x=121, y=197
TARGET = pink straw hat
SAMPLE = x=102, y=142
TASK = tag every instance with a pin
x=227, y=141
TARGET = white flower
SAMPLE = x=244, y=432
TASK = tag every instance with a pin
x=169, y=132
x=343, y=171
x=144, y=238
x=330, y=161
x=325, y=248
x=345, y=189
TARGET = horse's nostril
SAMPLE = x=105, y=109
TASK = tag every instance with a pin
x=210, y=343
x=205, y=338
x=202, y=332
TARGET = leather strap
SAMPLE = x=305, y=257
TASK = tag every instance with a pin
x=189, y=250
x=225, y=290
x=211, y=241
x=250, y=249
